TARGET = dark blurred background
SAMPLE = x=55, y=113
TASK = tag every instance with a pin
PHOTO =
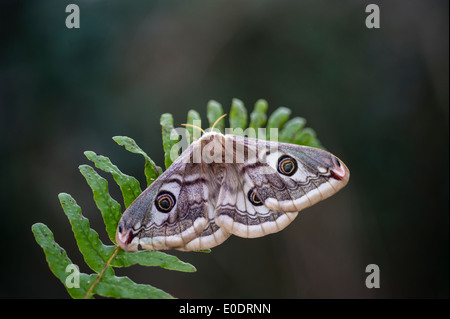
x=377, y=98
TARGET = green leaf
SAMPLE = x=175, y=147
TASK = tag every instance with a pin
x=124, y=287
x=128, y=185
x=238, y=116
x=292, y=129
x=277, y=119
x=193, y=118
x=258, y=116
x=170, y=138
x=58, y=260
x=151, y=170
x=213, y=112
x=306, y=137
x=151, y=258
x=95, y=253
x=207, y=250
x=109, y=208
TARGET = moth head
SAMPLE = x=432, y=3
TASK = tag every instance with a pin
x=203, y=131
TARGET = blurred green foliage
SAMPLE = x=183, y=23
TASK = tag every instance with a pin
x=378, y=98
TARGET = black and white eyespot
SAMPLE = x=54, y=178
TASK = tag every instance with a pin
x=287, y=165
x=253, y=198
x=165, y=201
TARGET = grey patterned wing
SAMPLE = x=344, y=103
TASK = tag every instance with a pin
x=210, y=237
x=170, y=213
x=290, y=177
x=263, y=196
x=239, y=210
x=301, y=176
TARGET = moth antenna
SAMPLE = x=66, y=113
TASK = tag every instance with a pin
x=217, y=121
x=194, y=126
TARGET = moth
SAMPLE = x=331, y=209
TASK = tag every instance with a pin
x=228, y=184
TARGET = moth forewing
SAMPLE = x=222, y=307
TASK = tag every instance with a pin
x=196, y=156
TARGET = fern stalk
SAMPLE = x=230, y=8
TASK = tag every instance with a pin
x=100, y=275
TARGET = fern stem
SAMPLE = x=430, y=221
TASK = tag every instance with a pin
x=100, y=275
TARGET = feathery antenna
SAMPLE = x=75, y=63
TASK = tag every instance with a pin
x=217, y=121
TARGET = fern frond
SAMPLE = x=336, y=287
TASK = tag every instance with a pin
x=102, y=258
